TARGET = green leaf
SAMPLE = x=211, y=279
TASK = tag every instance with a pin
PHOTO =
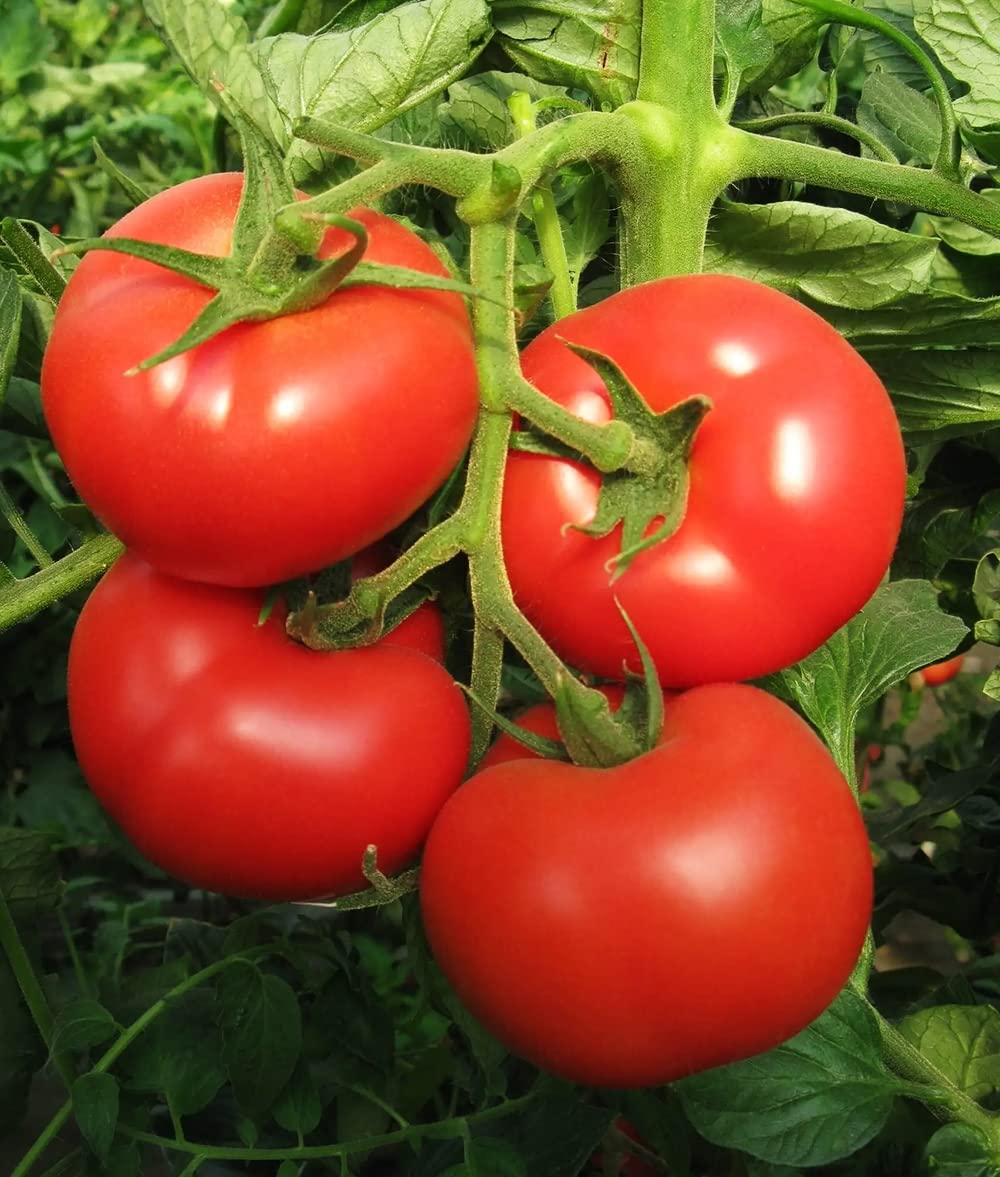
x=262, y=1029
x=942, y=793
x=82, y=1024
x=367, y=76
x=958, y=1150
x=965, y=38
x=902, y=118
x=941, y=394
x=10, y=327
x=743, y=42
x=29, y=872
x=25, y=42
x=586, y=223
x=95, y=1106
x=299, y=1108
x=212, y=42
x=964, y=238
x=820, y=1097
x=487, y=1156
x=351, y=1026
x=592, y=45
x=180, y=1056
x=962, y=1042
x=883, y=57
x=831, y=255
x=554, y=1135
x=21, y=1050
x=795, y=34
x=476, y=107
x=898, y=631
x=986, y=586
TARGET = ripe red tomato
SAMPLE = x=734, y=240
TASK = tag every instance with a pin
x=797, y=480
x=242, y=762
x=940, y=672
x=276, y=447
x=658, y=918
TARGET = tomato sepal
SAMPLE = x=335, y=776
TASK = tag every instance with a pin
x=655, y=487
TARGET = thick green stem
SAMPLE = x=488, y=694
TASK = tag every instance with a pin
x=484, y=684
x=31, y=987
x=20, y=598
x=546, y=218
x=678, y=53
x=784, y=159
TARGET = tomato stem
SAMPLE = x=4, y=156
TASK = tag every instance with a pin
x=546, y=218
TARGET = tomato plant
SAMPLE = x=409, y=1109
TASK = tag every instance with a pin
x=208, y=465
x=239, y=761
x=801, y=440
x=613, y=325
x=636, y=913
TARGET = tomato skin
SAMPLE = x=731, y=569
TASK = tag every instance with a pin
x=797, y=483
x=940, y=672
x=276, y=447
x=659, y=918
x=244, y=763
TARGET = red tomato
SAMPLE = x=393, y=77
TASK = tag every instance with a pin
x=940, y=672
x=797, y=480
x=695, y=906
x=242, y=762
x=277, y=447
x=424, y=629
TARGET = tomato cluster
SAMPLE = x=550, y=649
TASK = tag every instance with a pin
x=618, y=926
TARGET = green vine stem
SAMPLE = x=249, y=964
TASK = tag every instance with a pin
x=823, y=120
x=784, y=159
x=20, y=598
x=546, y=217
x=949, y=149
x=19, y=525
x=31, y=987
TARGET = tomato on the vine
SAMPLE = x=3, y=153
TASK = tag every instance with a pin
x=658, y=918
x=240, y=761
x=797, y=481
x=276, y=447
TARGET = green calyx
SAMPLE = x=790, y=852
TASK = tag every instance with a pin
x=272, y=269
x=655, y=483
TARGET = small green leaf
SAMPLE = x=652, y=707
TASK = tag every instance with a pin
x=958, y=1150
x=262, y=1029
x=299, y=1108
x=82, y=1024
x=742, y=40
x=820, y=1097
x=962, y=1042
x=900, y=630
x=29, y=872
x=476, y=107
x=95, y=1106
x=937, y=394
x=904, y=119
